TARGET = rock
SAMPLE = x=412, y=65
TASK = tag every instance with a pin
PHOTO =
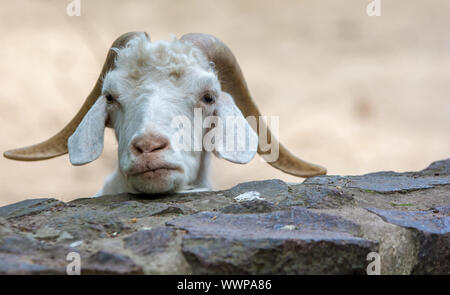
x=76, y=244
x=318, y=197
x=28, y=207
x=16, y=265
x=213, y=223
x=22, y=255
x=88, y=223
x=270, y=190
x=255, y=206
x=5, y=228
x=433, y=233
x=64, y=236
x=438, y=168
x=325, y=225
x=382, y=182
x=436, y=220
x=146, y=242
x=104, y=262
x=260, y=244
x=47, y=233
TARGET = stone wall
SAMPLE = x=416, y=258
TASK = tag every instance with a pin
x=325, y=225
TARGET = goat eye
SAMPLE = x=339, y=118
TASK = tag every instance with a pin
x=208, y=98
x=109, y=98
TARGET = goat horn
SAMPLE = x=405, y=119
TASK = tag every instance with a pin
x=233, y=82
x=57, y=145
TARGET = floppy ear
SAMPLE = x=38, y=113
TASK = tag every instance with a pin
x=239, y=142
x=86, y=143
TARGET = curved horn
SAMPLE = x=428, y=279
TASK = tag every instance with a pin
x=233, y=82
x=57, y=145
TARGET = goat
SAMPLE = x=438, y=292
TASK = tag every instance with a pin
x=143, y=85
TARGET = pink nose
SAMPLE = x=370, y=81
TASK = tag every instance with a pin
x=148, y=144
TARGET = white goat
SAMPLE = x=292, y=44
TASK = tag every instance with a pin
x=143, y=86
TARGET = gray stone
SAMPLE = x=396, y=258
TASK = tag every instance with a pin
x=15, y=265
x=28, y=207
x=5, y=228
x=103, y=262
x=317, y=197
x=433, y=235
x=389, y=182
x=213, y=223
x=434, y=254
x=64, y=236
x=47, y=233
x=23, y=255
x=220, y=255
x=270, y=190
x=320, y=226
x=436, y=220
x=88, y=224
x=147, y=242
x=265, y=244
x=254, y=206
x=438, y=168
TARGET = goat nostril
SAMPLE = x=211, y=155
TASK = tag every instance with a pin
x=138, y=149
x=160, y=147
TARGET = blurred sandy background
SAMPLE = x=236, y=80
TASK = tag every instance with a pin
x=354, y=93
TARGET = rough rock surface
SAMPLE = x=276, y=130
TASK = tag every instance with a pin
x=325, y=225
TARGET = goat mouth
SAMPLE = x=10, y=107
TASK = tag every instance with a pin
x=158, y=171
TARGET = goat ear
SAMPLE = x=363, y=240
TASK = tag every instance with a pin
x=86, y=143
x=239, y=142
